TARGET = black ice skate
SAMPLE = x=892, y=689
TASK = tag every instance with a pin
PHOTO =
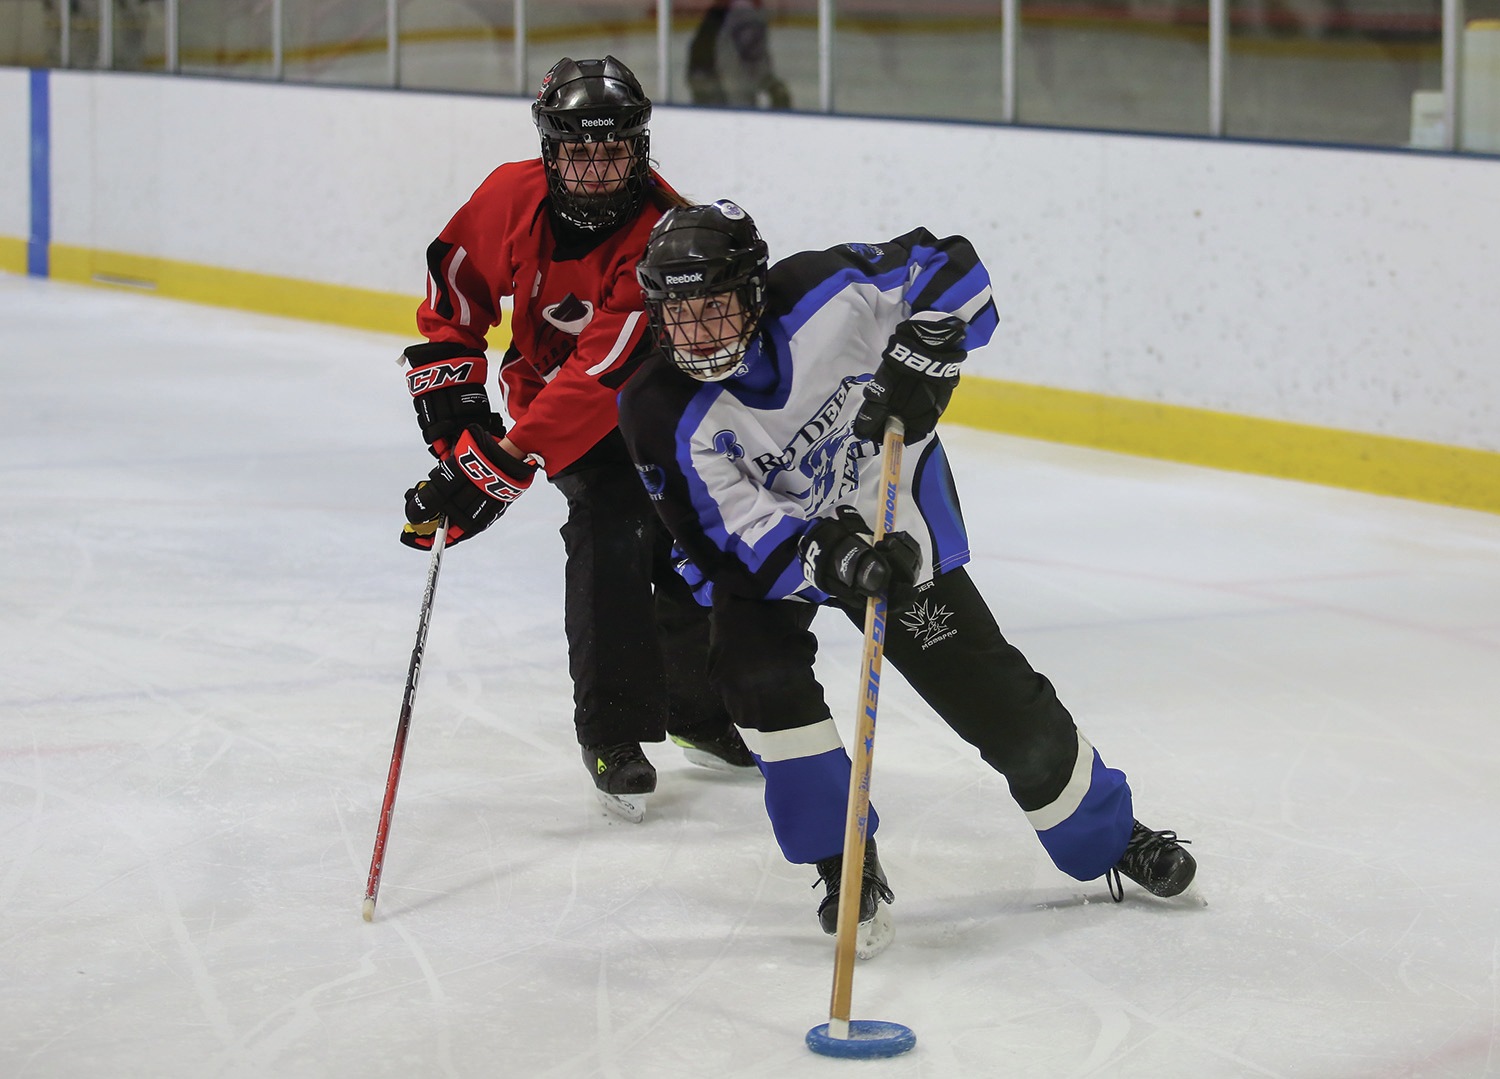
x=622, y=778
x=1155, y=861
x=726, y=753
x=875, y=928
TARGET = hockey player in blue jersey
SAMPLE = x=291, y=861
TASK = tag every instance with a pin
x=756, y=429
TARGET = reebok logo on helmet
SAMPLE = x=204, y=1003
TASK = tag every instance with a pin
x=684, y=278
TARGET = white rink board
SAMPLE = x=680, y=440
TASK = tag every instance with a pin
x=15, y=164
x=329, y=185
x=1328, y=287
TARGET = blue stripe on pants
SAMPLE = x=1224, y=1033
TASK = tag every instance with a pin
x=807, y=799
x=1092, y=838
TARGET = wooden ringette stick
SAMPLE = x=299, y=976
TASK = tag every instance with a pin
x=856, y=824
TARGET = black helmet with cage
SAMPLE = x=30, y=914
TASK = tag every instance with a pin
x=704, y=274
x=590, y=115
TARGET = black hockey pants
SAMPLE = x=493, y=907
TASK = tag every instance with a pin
x=948, y=647
x=637, y=640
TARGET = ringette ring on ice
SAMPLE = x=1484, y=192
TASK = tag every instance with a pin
x=867, y=1038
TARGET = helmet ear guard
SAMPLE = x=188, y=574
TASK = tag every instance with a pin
x=596, y=107
x=694, y=254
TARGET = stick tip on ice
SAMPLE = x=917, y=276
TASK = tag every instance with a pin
x=369, y=910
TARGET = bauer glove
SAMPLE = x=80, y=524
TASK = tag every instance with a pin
x=471, y=488
x=838, y=558
x=917, y=373
x=446, y=381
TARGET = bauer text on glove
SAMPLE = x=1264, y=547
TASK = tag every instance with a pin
x=915, y=379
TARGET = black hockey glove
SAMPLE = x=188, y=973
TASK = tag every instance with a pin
x=447, y=388
x=472, y=488
x=838, y=558
x=915, y=379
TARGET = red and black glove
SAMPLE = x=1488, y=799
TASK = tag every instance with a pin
x=471, y=488
x=915, y=379
x=446, y=381
x=838, y=558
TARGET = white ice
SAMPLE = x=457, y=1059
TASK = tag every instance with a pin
x=205, y=623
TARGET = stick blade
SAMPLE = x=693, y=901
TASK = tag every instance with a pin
x=369, y=908
x=868, y=1039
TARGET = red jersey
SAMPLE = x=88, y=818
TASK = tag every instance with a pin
x=578, y=322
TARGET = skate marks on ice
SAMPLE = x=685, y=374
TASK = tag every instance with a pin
x=206, y=647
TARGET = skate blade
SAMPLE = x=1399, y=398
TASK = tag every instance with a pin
x=705, y=759
x=875, y=936
x=631, y=807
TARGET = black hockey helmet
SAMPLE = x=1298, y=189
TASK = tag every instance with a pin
x=698, y=252
x=600, y=106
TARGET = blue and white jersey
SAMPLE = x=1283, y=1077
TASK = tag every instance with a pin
x=740, y=469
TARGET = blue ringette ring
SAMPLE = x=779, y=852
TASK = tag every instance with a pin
x=867, y=1038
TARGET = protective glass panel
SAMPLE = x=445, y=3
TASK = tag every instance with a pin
x=226, y=37
x=140, y=35
x=895, y=58
x=745, y=53
x=336, y=41
x=82, y=41
x=1119, y=65
x=1479, y=103
x=453, y=45
x=1343, y=71
x=29, y=33
x=623, y=29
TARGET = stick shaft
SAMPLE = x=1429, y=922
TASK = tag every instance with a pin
x=408, y=697
x=862, y=759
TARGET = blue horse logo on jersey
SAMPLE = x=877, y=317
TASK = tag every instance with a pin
x=820, y=452
x=832, y=472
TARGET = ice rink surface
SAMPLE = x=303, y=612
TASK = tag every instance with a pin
x=206, y=619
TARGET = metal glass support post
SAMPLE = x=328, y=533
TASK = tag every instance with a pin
x=106, y=35
x=522, y=84
x=170, y=13
x=664, y=50
x=278, y=44
x=1010, y=41
x=65, y=34
x=392, y=42
x=825, y=55
x=1453, y=39
x=1218, y=53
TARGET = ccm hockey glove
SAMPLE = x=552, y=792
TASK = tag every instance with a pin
x=472, y=488
x=446, y=381
x=838, y=558
x=917, y=373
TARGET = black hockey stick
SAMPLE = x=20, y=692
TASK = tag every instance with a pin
x=413, y=671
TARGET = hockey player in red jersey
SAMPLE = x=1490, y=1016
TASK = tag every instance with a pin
x=560, y=234
x=757, y=430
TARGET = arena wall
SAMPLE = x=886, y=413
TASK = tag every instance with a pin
x=1311, y=312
